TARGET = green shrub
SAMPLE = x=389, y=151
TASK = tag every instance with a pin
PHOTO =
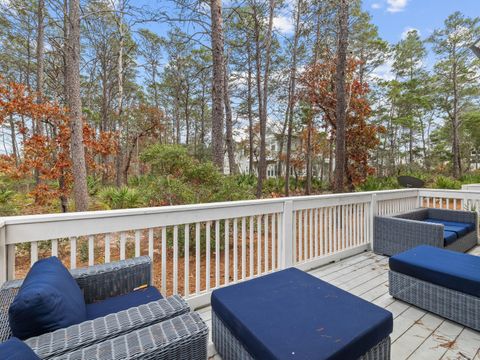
x=167, y=160
x=231, y=190
x=373, y=183
x=168, y=191
x=246, y=180
x=443, y=182
x=471, y=178
x=203, y=174
x=121, y=198
x=274, y=185
x=7, y=202
x=93, y=185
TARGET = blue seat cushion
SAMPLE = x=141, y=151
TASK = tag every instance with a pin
x=122, y=302
x=15, y=349
x=450, y=269
x=459, y=227
x=49, y=299
x=449, y=237
x=293, y=315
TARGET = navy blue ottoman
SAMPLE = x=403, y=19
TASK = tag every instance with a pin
x=441, y=281
x=293, y=315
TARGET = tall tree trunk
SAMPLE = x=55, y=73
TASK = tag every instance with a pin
x=457, y=162
x=128, y=158
x=40, y=55
x=119, y=157
x=75, y=107
x=249, y=110
x=262, y=163
x=330, y=161
x=104, y=116
x=340, y=146
x=217, y=82
x=291, y=95
x=308, y=180
x=37, y=125
x=410, y=146
x=229, y=123
x=202, y=116
x=187, y=114
x=13, y=139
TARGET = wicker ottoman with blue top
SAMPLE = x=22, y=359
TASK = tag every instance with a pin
x=441, y=281
x=293, y=315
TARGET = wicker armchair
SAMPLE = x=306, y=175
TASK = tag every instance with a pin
x=163, y=329
x=397, y=233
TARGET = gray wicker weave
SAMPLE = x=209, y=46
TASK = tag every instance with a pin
x=230, y=348
x=116, y=278
x=90, y=332
x=100, y=282
x=400, y=232
x=450, y=304
x=183, y=337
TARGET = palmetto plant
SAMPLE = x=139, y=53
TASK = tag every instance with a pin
x=121, y=198
x=7, y=206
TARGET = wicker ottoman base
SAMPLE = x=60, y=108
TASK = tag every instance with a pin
x=229, y=348
x=450, y=304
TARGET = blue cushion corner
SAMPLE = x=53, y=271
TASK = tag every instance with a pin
x=49, y=299
x=15, y=349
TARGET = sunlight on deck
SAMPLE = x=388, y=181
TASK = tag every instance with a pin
x=417, y=334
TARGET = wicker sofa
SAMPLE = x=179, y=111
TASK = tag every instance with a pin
x=162, y=329
x=397, y=233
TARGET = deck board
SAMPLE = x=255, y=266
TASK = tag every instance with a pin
x=417, y=334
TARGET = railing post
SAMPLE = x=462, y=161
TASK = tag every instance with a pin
x=373, y=213
x=3, y=255
x=287, y=234
x=419, y=200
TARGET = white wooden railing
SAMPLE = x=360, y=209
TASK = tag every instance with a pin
x=471, y=187
x=245, y=238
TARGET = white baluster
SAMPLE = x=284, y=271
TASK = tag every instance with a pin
x=175, y=260
x=186, y=256
x=91, y=246
x=73, y=252
x=207, y=255
x=197, y=258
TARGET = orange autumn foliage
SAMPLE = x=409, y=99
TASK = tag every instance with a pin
x=318, y=89
x=46, y=152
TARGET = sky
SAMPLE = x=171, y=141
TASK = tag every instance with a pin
x=395, y=17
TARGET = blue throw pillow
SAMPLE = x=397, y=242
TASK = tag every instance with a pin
x=14, y=349
x=49, y=299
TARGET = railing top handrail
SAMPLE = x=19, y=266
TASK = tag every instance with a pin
x=21, y=219
x=451, y=191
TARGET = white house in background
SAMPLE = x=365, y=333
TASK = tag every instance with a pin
x=242, y=159
x=274, y=162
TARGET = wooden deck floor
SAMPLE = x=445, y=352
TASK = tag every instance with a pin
x=417, y=334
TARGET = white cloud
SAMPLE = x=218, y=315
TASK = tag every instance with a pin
x=376, y=6
x=396, y=5
x=283, y=24
x=407, y=30
x=384, y=71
